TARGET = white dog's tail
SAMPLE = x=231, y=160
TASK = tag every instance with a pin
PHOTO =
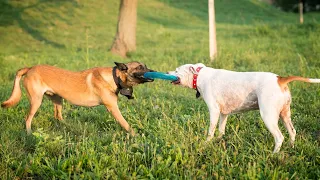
x=314, y=80
x=283, y=81
x=16, y=91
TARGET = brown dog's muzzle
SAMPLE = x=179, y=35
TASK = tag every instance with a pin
x=140, y=76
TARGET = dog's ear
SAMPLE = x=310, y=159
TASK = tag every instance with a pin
x=193, y=68
x=121, y=66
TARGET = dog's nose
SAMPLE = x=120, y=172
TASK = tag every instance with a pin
x=150, y=70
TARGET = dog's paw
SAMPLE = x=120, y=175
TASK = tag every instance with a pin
x=132, y=133
x=220, y=136
x=209, y=138
x=292, y=144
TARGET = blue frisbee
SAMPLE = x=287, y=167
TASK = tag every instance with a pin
x=160, y=75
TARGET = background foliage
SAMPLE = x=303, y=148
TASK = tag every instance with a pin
x=172, y=124
x=293, y=5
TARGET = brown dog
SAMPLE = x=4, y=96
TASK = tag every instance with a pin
x=91, y=87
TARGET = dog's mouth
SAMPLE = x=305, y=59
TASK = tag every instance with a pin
x=176, y=82
x=147, y=79
x=140, y=76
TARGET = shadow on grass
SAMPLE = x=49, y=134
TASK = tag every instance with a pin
x=229, y=12
x=10, y=14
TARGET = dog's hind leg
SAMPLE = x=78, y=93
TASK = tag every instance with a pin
x=270, y=117
x=285, y=115
x=35, y=100
x=57, y=102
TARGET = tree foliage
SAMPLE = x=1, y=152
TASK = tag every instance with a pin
x=293, y=5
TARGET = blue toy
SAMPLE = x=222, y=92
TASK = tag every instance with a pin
x=160, y=75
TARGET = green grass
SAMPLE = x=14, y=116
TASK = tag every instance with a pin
x=171, y=123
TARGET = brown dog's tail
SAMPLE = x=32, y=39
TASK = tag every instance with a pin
x=283, y=81
x=16, y=91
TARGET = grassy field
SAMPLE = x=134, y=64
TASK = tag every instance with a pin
x=171, y=123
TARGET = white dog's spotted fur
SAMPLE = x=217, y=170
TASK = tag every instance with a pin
x=226, y=92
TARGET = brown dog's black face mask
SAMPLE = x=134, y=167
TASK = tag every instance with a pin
x=134, y=72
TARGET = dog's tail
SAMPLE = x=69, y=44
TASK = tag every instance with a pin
x=283, y=81
x=16, y=91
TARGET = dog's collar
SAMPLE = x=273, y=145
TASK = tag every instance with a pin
x=194, y=81
x=195, y=78
x=126, y=91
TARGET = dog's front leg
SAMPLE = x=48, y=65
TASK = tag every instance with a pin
x=214, y=116
x=114, y=109
x=110, y=101
x=222, y=125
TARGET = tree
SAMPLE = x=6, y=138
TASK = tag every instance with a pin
x=212, y=30
x=125, y=39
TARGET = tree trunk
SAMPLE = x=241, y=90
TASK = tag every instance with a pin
x=125, y=39
x=212, y=30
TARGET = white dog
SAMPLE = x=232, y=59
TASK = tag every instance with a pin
x=226, y=92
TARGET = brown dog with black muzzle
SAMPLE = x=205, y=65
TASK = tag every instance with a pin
x=91, y=87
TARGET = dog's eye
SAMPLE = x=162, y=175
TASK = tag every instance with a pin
x=140, y=67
